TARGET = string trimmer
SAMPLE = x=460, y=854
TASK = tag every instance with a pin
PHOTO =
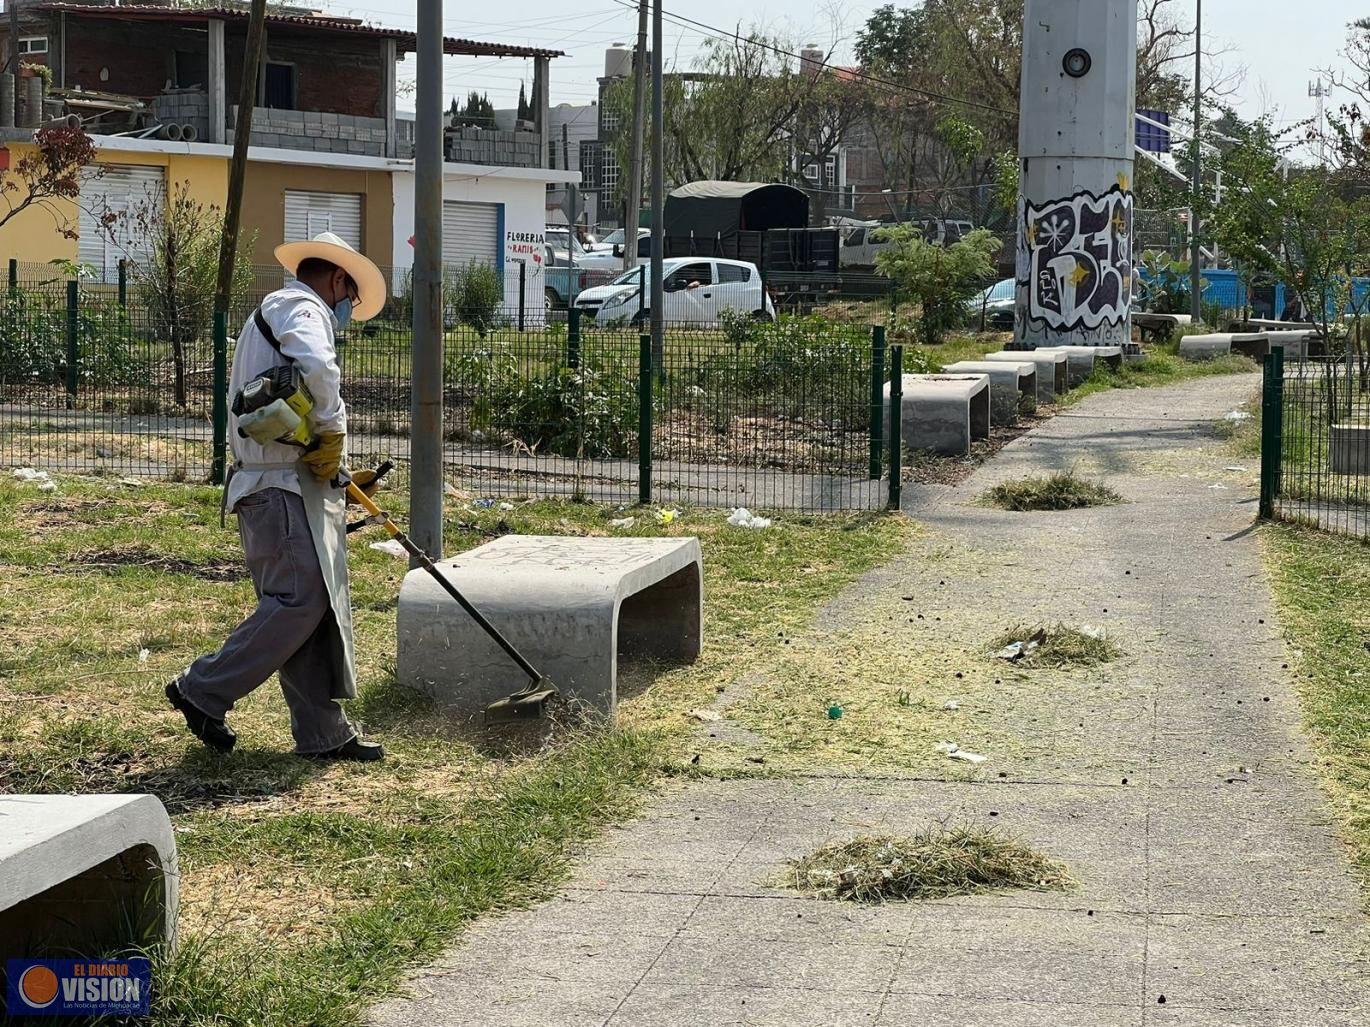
x=530, y=700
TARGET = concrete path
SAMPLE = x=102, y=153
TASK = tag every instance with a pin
x=1213, y=892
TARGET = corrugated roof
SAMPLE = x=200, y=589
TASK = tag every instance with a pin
x=349, y=26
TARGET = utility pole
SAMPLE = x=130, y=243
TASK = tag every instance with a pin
x=228, y=243
x=658, y=197
x=425, y=443
x=634, y=202
x=1076, y=141
x=1196, y=175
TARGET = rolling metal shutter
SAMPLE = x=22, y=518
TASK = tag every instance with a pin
x=122, y=189
x=470, y=232
x=307, y=214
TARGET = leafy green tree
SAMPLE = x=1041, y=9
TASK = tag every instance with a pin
x=525, y=110
x=479, y=112
x=177, y=280
x=940, y=279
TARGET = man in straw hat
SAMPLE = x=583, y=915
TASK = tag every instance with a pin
x=291, y=518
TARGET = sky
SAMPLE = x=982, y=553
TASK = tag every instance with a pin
x=1277, y=43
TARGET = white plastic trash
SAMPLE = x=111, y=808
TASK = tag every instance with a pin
x=392, y=547
x=744, y=518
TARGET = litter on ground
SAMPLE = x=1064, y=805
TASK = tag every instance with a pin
x=953, y=751
x=951, y=704
x=664, y=516
x=705, y=716
x=1234, y=468
x=392, y=547
x=623, y=522
x=29, y=474
x=1015, y=651
x=1236, y=415
x=143, y=654
x=47, y=486
x=744, y=518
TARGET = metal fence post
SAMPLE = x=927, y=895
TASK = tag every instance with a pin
x=573, y=338
x=14, y=274
x=523, y=280
x=896, y=426
x=877, y=415
x=218, y=461
x=73, y=344
x=1272, y=430
x=644, y=419
x=123, y=282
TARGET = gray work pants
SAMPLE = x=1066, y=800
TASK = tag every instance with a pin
x=291, y=632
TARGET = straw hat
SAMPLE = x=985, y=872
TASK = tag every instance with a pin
x=327, y=246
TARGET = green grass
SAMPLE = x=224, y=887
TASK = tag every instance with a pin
x=1322, y=588
x=307, y=889
x=934, y=864
x=1059, y=645
x=1063, y=490
x=1160, y=367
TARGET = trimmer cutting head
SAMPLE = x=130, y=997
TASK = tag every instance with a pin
x=528, y=703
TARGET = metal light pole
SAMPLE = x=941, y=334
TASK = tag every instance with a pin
x=1195, y=176
x=425, y=441
x=1076, y=140
x=631, y=215
x=658, y=195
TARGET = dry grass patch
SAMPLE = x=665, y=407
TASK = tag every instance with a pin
x=1056, y=645
x=1060, y=491
x=935, y=863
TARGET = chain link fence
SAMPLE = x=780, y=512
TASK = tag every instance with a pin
x=735, y=406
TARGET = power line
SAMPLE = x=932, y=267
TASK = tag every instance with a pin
x=718, y=33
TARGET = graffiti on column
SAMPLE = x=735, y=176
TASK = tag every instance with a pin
x=1075, y=259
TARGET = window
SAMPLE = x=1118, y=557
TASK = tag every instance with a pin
x=734, y=273
x=608, y=182
x=682, y=276
x=856, y=237
x=33, y=44
x=278, y=86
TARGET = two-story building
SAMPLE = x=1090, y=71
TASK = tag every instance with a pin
x=156, y=86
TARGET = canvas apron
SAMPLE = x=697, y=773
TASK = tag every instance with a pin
x=326, y=510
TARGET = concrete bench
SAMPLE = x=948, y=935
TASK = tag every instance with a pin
x=572, y=606
x=1159, y=327
x=1012, y=386
x=1295, y=343
x=942, y=413
x=1348, y=447
x=1220, y=344
x=85, y=875
x=1052, y=374
x=1081, y=360
x=1265, y=324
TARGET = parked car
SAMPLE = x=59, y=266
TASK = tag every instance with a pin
x=997, y=303
x=569, y=250
x=862, y=243
x=695, y=290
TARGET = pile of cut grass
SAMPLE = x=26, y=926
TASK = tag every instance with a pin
x=936, y=863
x=1059, y=645
x=1063, y=490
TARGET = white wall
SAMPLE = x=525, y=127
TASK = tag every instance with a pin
x=524, y=223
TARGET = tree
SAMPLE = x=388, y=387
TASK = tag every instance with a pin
x=940, y=279
x=733, y=116
x=823, y=125
x=176, y=282
x=453, y=111
x=479, y=112
x=1308, y=227
x=525, y=111
x=52, y=172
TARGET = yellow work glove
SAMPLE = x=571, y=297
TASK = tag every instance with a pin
x=366, y=481
x=325, y=457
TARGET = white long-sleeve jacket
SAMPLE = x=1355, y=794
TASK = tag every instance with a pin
x=305, y=328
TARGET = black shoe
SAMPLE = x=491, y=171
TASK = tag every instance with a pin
x=352, y=749
x=214, y=733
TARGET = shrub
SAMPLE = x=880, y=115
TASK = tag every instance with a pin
x=33, y=341
x=580, y=412
x=473, y=295
x=941, y=279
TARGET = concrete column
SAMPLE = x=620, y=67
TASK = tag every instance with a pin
x=218, y=84
x=1075, y=150
x=7, y=100
x=388, y=59
x=542, y=116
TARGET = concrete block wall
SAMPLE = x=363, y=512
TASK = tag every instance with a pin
x=184, y=108
x=493, y=147
x=314, y=130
